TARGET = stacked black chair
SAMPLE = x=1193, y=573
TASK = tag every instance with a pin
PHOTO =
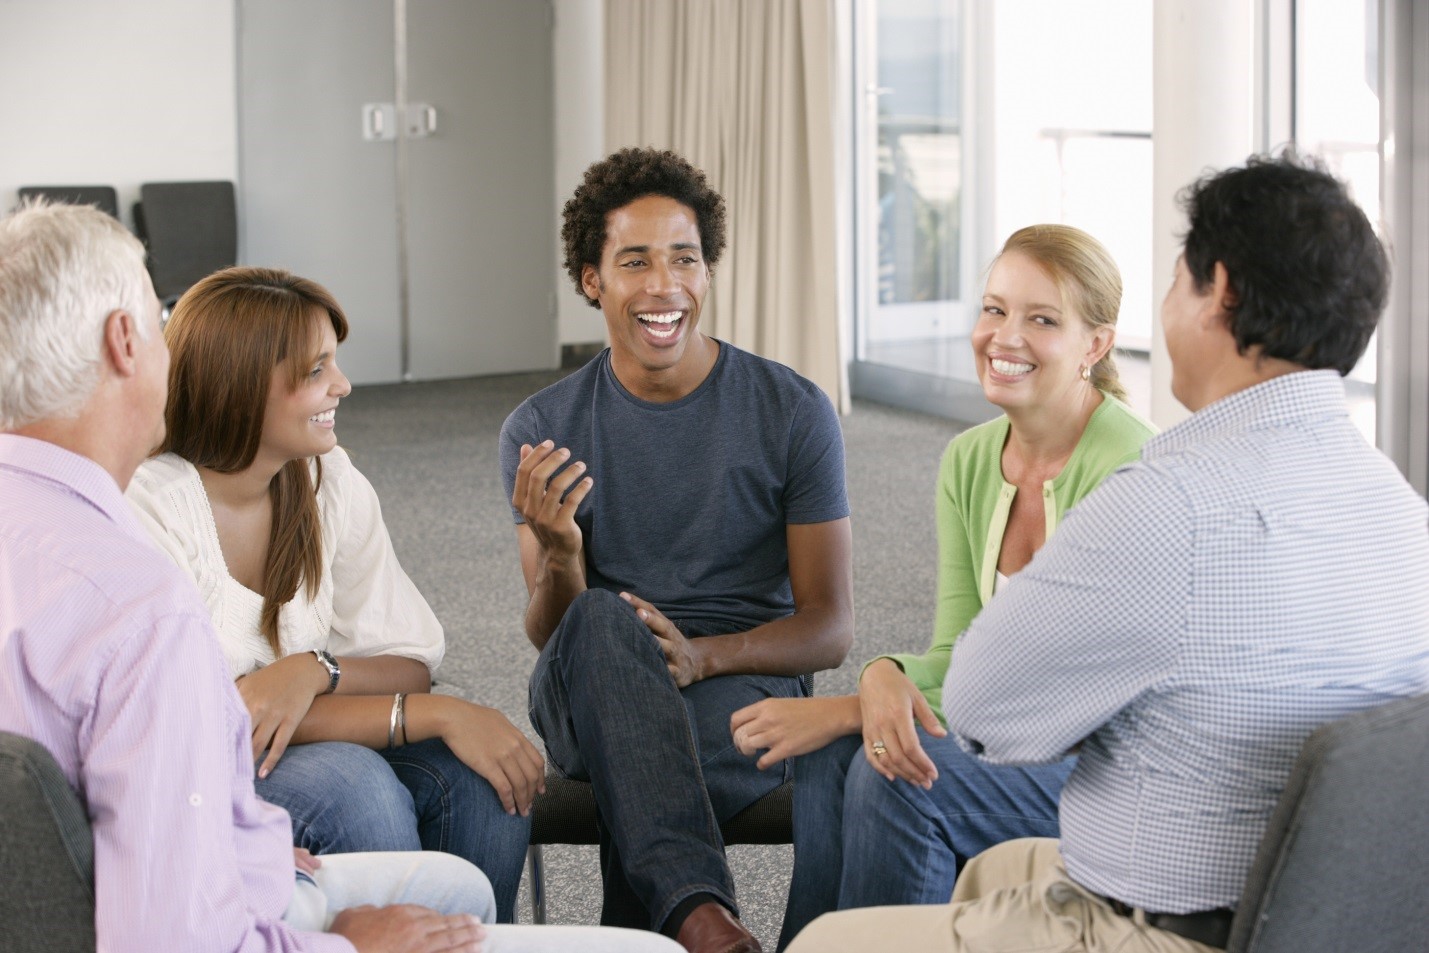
x=191, y=230
x=101, y=196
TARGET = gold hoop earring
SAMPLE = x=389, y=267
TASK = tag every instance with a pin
x=1086, y=373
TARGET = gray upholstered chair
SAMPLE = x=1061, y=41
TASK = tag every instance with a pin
x=46, y=853
x=1344, y=863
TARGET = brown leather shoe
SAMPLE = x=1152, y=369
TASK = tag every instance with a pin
x=710, y=928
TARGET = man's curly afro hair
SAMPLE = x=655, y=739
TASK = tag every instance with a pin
x=620, y=179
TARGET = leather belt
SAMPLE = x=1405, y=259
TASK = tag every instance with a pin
x=1211, y=927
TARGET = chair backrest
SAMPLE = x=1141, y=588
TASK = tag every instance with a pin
x=46, y=854
x=191, y=229
x=102, y=196
x=1344, y=863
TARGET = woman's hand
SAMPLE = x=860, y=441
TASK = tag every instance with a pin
x=278, y=697
x=488, y=743
x=789, y=727
x=889, y=703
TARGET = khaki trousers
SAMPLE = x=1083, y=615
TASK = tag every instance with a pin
x=1013, y=898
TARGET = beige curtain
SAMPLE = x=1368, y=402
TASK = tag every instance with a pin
x=745, y=90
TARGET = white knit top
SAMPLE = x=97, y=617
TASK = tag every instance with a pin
x=365, y=604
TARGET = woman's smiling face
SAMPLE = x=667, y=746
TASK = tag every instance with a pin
x=1030, y=344
x=298, y=421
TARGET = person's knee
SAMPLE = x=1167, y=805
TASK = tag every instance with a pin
x=508, y=833
x=869, y=794
x=828, y=766
x=449, y=884
x=599, y=610
x=342, y=797
x=441, y=783
x=432, y=879
x=599, y=622
x=923, y=927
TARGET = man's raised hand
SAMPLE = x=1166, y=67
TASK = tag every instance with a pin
x=547, y=493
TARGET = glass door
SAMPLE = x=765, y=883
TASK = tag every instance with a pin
x=911, y=215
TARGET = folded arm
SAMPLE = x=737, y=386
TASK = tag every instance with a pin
x=1096, y=619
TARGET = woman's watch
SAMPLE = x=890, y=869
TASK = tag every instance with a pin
x=334, y=673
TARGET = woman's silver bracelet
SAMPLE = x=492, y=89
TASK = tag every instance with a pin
x=399, y=717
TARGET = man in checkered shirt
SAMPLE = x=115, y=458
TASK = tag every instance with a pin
x=1260, y=572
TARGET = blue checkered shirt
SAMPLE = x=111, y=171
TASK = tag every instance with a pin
x=1261, y=571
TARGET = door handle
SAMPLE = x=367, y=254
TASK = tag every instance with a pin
x=379, y=122
x=421, y=120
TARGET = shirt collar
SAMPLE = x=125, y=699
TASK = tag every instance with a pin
x=1298, y=396
x=76, y=474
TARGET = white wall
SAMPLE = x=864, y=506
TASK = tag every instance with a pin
x=98, y=92
x=580, y=140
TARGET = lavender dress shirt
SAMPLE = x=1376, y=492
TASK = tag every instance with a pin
x=108, y=659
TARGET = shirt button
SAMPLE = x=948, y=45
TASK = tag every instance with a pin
x=196, y=799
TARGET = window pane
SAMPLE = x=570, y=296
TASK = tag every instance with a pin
x=1069, y=149
x=919, y=150
x=915, y=168
x=1337, y=118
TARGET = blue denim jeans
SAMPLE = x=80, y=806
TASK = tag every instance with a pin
x=345, y=798
x=861, y=841
x=661, y=759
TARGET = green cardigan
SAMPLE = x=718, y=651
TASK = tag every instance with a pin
x=973, y=503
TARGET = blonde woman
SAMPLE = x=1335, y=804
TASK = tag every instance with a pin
x=886, y=807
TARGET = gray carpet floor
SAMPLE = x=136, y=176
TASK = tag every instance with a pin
x=430, y=449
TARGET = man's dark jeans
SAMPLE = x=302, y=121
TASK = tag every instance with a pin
x=661, y=759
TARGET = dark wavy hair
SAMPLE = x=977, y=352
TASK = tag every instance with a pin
x=620, y=179
x=1308, y=275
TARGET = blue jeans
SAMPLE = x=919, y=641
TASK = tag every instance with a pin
x=661, y=759
x=345, y=798
x=861, y=841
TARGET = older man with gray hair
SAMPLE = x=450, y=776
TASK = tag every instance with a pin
x=108, y=659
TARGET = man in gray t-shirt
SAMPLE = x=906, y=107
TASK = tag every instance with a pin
x=684, y=535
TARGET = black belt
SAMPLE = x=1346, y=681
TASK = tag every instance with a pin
x=1211, y=927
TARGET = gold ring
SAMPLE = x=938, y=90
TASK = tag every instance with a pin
x=879, y=749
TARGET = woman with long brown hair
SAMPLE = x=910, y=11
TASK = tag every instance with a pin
x=330, y=643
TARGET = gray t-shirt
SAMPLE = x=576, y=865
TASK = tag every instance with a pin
x=691, y=498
